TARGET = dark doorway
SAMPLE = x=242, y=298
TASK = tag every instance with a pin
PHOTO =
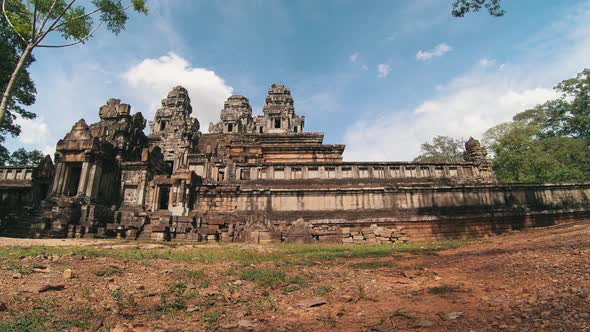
x=164, y=198
x=230, y=128
x=73, y=180
x=277, y=123
x=171, y=165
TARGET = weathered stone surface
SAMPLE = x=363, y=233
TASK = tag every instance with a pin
x=260, y=179
x=309, y=303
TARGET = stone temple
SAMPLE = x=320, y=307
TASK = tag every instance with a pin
x=260, y=179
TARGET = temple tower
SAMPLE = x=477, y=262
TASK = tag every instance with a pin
x=173, y=129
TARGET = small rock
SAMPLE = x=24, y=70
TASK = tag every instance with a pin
x=67, y=274
x=437, y=278
x=229, y=326
x=309, y=303
x=424, y=323
x=246, y=324
x=154, y=307
x=193, y=309
x=454, y=315
x=409, y=274
x=44, y=288
x=97, y=324
x=41, y=269
x=17, y=276
x=3, y=307
x=123, y=328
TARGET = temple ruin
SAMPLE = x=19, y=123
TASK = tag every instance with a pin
x=258, y=178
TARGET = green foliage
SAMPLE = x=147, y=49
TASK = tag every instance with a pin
x=23, y=92
x=462, y=7
x=442, y=149
x=23, y=324
x=24, y=157
x=549, y=143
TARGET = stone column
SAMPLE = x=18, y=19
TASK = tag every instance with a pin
x=83, y=177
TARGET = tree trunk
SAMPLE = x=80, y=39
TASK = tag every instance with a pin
x=13, y=78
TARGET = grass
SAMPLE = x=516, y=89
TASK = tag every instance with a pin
x=446, y=289
x=293, y=254
x=264, y=277
x=322, y=290
x=373, y=265
x=109, y=271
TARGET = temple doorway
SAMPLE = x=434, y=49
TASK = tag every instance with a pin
x=164, y=197
x=74, y=172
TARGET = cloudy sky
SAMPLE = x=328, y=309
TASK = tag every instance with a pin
x=380, y=76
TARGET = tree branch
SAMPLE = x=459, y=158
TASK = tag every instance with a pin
x=46, y=17
x=75, y=18
x=82, y=40
x=33, y=25
x=10, y=23
x=51, y=28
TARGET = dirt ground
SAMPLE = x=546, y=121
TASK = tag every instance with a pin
x=536, y=280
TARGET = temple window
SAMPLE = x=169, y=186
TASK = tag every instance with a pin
x=363, y=172
x=330, y=172
x=162, y=125
x=230, y=127
x=279, y=173
x=164, y=198
x=296, y=173
x=378, y=172
x=295, y=129
x=312, y=172
x=260, y=130
x=277, y=123
x=346, y=172
x=73, y=178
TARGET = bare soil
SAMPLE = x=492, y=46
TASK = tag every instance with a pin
x=535, y=280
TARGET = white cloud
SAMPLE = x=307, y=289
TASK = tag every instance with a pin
x=484, y=96
x=438, y=50
x=151, y=79
x=354, y=57
x=383, y=70
x=33, y=131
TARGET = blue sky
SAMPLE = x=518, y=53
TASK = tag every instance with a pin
x=379, y=76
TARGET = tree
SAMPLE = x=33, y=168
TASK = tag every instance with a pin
x=462, y=7
x=566, y=116
x=24, y=157
x=24, y=89
x=548, y=143
x=442, y=149
x=34, y=20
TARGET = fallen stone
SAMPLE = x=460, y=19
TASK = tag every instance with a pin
x=193, y=309
x=3, y=307
x=17, y=276
x=309, y=303
x=424, y=323
x=409, y=274
x=455, y=315
x=246, y=324
x=49, y=287
x=41, y=269
x=67, y=274
x=97, y=324
x=229, y=326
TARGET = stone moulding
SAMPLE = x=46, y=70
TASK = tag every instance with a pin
x=261, y=179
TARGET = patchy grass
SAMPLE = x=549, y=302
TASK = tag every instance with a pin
x=373, y=265
x=264, y=277
x=446, y=289
x=109, y=271
x=322, y=290
x=288, y=254
x=401, y=314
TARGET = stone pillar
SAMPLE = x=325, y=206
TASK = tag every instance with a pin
x=83, y=177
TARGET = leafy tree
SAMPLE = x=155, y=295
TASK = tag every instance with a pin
x=548, y=143
x=442, y=149
x=66, y=20
x=566, y=116
x=462, y=7
x=24, y=157
x=24, y=89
